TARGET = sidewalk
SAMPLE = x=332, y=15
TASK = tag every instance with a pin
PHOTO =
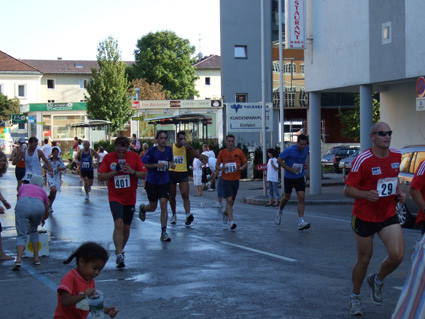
x=251, y=192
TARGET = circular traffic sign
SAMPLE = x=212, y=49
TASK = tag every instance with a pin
x=420, y=87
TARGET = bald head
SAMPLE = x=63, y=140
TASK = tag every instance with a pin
x=380, y=126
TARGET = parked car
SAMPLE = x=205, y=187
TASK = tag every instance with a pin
x=343, y=153
x=346, y=162
x=328, y=158
x=411, y=157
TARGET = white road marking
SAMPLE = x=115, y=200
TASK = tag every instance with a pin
x=259, y=252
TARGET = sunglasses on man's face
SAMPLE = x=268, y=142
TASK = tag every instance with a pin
x=383, y=133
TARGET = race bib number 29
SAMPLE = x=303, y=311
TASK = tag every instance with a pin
x=387, y=186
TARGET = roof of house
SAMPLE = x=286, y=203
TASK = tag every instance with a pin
x=209, y=62
x=63, y=66
x=10, y=64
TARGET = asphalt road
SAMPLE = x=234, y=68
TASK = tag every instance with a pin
x=259, y=271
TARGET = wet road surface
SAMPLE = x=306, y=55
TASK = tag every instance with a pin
x=259, y=271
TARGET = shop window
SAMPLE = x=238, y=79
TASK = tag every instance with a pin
x=50, y=84
x=241, y=52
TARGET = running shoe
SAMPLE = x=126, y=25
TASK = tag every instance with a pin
x=225, y=219
x=120, y=261
x=87, y=196
x=173, y=219
x=189, y=219
x=376, y=293
x=278, y=218
x=233, y=226
x=217, y=205
x=165, y=237
x=303, y=225
x=142, y=212
x=356, y=306
x=211, y=190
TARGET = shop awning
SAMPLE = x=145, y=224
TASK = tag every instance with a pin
x=179, y=119
x=90, y=123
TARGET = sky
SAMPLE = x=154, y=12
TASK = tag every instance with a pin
x=72, y=30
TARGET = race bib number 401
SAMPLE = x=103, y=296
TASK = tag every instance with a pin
x=387, y=186
x=122, y=181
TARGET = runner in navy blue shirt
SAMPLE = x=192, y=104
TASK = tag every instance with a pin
x=158, y=160
x=293, y=160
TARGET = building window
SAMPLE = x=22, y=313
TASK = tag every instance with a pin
x=290, y=68
x=241, y=97
x=276, y=66
x=50, y=84
x=207, y=81
x=303, y=97
x=386, y=33
x=83, y=84
x=290, y=92
x=241, y=52
x=1, y=88
x=302, y=68
x=21, y=126
x=21, y=90
x=78, y=65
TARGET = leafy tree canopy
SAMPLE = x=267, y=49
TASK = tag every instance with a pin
x=165, y=58
x=146, y=91
x=8, y=107
x=109, y=98
x=350, y=120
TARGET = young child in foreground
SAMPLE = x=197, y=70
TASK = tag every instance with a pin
x=78, y=283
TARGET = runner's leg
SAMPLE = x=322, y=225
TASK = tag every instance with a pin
x=392, y=237
x=364, y=247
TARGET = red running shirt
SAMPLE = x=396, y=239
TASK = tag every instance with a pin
x=73, y=284
x=418, y=182
x=122, y=187
x=371, y=172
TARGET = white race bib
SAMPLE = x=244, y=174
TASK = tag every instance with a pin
x=299, y=167
x=85, y=165
x=178, y=160
x=230, y=167
x=165, y=166
x=122, y=181
x=387, y=186
x=28, y=176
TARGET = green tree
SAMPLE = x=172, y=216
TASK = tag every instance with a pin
x=108, y=90
x=8, y=107
x=350, y=120
x=165, y=58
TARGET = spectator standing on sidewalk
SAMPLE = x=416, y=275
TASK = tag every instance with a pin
x=373, y=183
x=293, y=160
x=234, y=162
x=272, y=178
x=20, y=165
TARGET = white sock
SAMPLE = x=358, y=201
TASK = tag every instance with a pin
x=300, y=219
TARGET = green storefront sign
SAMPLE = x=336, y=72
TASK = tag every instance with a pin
x=51, y=107
x=19, y=118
